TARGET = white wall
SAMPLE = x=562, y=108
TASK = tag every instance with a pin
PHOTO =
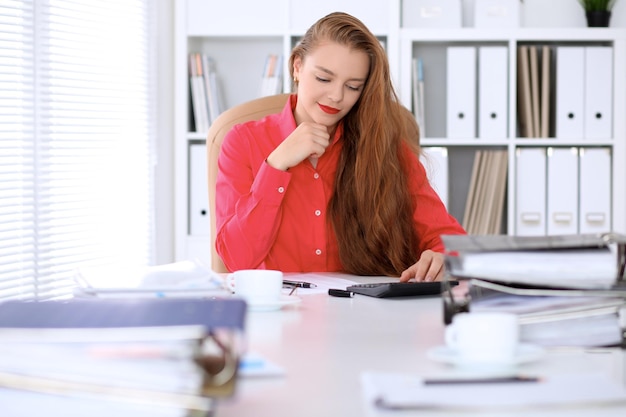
x=565, y=13
x=552, y=13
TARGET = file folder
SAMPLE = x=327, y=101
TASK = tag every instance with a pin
x=533, y=63
x=546, y=88
x=595, y=190
x=435, y=161
x=562, y=192
x=598, y=92
x=461, y=92
x=198, y=191
x=216, y=326
x=570, y=81
x=530, y=192
x=89, y=314
x=524, y=104
x=492, y=92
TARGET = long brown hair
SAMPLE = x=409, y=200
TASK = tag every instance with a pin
x=371, y=209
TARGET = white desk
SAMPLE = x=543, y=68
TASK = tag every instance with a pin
x=325, y=343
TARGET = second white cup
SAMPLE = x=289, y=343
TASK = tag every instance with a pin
x=486, y=337
x=257, y=286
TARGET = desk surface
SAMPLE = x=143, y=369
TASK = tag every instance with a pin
x=325, y=343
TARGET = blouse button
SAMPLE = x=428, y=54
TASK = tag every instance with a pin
x=281, y=189
x=318, y=212
x=318, y=251
x=316, y=175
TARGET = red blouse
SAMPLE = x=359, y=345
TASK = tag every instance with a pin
x=273, y=219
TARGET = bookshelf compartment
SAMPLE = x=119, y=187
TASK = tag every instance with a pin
x=435, y=67
x=239, y=63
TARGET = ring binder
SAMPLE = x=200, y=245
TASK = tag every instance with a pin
x=584, y=304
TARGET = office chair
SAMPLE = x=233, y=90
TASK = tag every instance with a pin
x=251, y=110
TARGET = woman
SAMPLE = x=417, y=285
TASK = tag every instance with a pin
x=333, y=182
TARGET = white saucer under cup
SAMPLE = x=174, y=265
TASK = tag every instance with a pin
x=484, y=337
x=257, y=286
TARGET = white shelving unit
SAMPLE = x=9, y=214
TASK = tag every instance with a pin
x=431, y=46
x=239, y=43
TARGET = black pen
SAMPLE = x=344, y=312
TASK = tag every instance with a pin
x=494, y=380
x=299, y=284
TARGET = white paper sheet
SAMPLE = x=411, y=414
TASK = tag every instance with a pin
x=406, y=391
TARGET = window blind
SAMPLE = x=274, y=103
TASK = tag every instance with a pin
x=77, y=113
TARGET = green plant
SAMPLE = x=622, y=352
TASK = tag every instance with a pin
x=597, y=5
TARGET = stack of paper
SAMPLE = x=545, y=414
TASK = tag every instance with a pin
x=172, y=353
x=568, y=261
x=179, y=279
x=396, y=391
x=556, y=317
x=567, y=290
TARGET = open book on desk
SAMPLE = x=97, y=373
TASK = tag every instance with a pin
x=170, y=352
x=569, y=261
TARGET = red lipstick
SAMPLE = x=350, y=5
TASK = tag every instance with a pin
x=329, y=110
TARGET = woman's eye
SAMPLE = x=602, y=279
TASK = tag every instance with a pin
x=322, y=80
x=354, y=88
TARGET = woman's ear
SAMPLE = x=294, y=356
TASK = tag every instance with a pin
x=297, y=67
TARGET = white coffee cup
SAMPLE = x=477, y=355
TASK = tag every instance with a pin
x=257, y=286
x=485, y=337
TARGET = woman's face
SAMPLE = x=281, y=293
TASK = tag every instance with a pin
x=330, y=81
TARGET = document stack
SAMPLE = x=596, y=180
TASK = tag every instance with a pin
x=174, y=355
x=568, y=290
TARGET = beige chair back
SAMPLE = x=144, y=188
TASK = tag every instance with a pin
x=251, y=110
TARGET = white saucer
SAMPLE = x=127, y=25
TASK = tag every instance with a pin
x=284, y=300
x=525, y=353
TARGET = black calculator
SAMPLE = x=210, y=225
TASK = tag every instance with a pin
x=399, y=289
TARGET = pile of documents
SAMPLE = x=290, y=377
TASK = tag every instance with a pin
x=173, y=354
x=189, y=278
x=567, y=290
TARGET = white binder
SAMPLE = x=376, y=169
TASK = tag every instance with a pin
x=492, y=92
x=562, y=192
x=435, y=161
x=199, y=216
x=461, y=92
x=598, y=117
x=595, y=190
x=570, y=81
x=530, y=192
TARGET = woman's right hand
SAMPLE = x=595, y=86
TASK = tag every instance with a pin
x=308, y=140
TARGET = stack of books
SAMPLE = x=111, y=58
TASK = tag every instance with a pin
x=272, y=79
x=206, y=96
x=173, y=354
x=567, y=290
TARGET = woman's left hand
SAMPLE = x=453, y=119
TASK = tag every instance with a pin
x=429, y=267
